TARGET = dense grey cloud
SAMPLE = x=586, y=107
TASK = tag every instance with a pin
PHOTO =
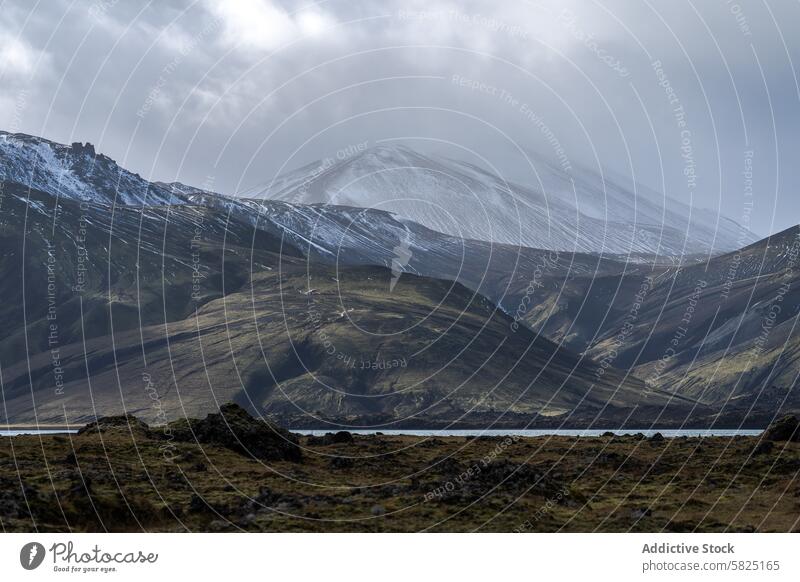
x=683, y=96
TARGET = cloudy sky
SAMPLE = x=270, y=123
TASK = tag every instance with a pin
x=688, y=98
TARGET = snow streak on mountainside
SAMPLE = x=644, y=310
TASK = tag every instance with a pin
x=579, y=212
x=343, y=234
x=346, y=236
x=76, y=172
x=568, y=212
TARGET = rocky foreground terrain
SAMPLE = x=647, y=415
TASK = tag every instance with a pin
x=230, y=472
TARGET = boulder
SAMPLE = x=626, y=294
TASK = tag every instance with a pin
x=341, y=463
x=342, y=437
x=763, y=448
x=784, y=429
x=233, y=428
x=331, y=438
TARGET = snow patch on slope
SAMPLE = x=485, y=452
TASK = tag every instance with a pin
x=578, y=211
x=76, y=172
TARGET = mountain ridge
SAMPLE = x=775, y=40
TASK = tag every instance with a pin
x=575, y=212
x=581, y=301
x=76, y=172
x=163, y=318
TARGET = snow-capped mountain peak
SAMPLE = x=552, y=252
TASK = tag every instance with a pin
x=567, y=211
x=76, y=172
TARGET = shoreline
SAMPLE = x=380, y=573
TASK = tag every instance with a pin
x=475, y=433
x=41, y=427
x=427, y=427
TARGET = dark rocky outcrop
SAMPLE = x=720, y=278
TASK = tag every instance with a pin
x=342, y=437
x=763, y=448
x=784, y=429
x=331, y=438
x=341, y=463
x=476, y=480
x=233, y=428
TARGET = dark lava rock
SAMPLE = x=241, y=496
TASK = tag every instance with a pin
x=657, y=438
x=331, y=438
x=233, y=428
x=268, y=499
x=126, y=422
x=763, y=448
x=500, y=477
x=12, y=500
x=447, y=465
x=265, y=497
x=608, y=433
x=197, y=504
x=342, y=437
x=341, y=463
x=615, y=460
x=784, y=429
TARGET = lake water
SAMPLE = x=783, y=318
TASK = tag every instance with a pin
x=669, y=433
x=34, y=431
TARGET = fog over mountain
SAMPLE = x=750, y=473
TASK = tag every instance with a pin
x=695, y=101
x=582, y=211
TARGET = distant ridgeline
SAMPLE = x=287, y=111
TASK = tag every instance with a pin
x=164, y=300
